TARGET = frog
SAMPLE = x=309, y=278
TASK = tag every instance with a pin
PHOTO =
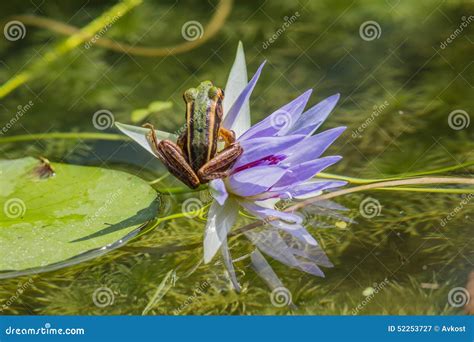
x=194, y=159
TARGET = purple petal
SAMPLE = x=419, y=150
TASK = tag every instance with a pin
x=307, y=187
x=234, y=111
x=304, y=171
x=256, y=180
x=311, y=252
x=218, y=190
x=300, y=191
x=297, y=230
x=310, y=267
x=271, y=243
x=312, y=147
x=259, y=148
x=280, y=121
x=310, y=120
x=265, y=213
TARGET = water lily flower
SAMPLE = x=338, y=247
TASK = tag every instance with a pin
x=280, y=159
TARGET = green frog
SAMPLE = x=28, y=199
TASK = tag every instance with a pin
x=194, y=159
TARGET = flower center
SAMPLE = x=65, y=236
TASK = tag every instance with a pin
x=268, y=160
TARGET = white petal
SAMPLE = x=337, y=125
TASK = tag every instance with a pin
x=138, y=134
x=219, y=223
x=235, y=84
x=265, y=271
x=269, y=203
x=229, y=265
x=309, y=195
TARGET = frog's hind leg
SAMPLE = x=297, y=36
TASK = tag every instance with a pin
x=218, y=167
x=175, y=161
x=173, y=158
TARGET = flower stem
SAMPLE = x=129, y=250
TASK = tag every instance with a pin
x=64, y=135
x=355, y=180
x=385, y=185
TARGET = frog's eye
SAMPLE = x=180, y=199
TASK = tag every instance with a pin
x=189, y=95
x=213, y=92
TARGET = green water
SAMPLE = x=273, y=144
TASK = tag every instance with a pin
x=397, y=91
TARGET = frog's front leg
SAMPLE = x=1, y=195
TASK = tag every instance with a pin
x=174, y=159
x=218, y=167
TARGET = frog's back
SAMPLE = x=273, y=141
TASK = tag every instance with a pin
x=203, y=122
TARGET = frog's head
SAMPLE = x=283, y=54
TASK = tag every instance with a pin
x=204, y=91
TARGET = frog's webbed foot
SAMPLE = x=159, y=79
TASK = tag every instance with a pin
x=227, y=135
x=173, y=158
x=218, y=167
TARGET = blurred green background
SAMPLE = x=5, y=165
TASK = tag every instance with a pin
x=402, y=82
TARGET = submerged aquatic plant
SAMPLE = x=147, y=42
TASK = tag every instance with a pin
x=279, y=160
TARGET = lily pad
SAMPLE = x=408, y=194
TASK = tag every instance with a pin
x=48, y=221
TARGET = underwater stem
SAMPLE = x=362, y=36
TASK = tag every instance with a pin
x=217, y=21
x=67, y=45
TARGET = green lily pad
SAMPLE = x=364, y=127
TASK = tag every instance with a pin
x=48, y=221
